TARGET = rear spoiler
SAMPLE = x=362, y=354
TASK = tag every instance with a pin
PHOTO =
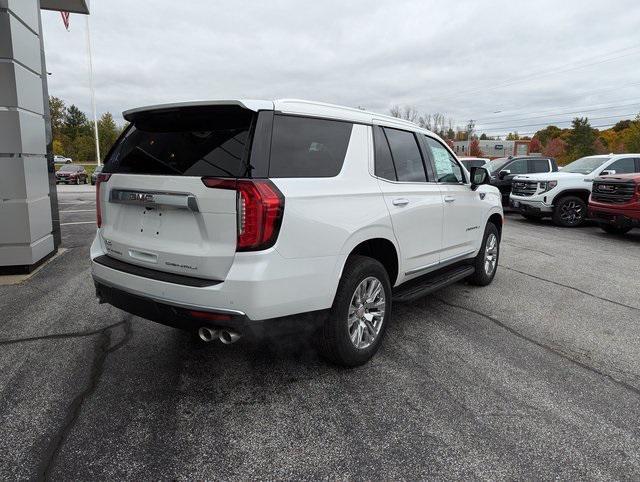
x=254, y=105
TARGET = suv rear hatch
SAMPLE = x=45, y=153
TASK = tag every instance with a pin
x=155, y=211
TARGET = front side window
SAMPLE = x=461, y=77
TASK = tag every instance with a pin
x=622, y=166
x=447, y=168
x=406, y=155
x=308, y=147
x=518, y=166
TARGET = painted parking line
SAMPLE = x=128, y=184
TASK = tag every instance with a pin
x=78, y=222
x=78, y=211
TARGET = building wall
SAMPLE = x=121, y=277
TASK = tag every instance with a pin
x=25, y=202
x=493, y=149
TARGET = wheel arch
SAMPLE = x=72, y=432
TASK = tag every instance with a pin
x=578, y=192
x=377, y=245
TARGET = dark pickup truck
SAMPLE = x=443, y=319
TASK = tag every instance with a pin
x=504, y=169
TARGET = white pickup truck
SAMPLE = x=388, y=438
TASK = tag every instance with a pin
x=564, y=195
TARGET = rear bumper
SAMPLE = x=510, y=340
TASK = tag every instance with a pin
x=181, y=317
x=259, y=285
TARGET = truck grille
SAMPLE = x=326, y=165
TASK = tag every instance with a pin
x=524, y=188
x=613, y=192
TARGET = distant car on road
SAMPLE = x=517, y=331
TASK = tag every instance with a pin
x=504, y=169
x=470, y=162
x=62, y=160
x=94, y=174
x=72, y=174
x=615, y=202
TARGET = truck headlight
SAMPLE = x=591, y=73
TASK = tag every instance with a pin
x=548, y=185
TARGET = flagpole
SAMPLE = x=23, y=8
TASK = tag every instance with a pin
x=93, y=94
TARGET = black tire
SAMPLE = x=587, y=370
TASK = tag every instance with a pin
x=612, y=229
x=570, y=212
x=531, y=217
x=335, y=341
x=481, y=277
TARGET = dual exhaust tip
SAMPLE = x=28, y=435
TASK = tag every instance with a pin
x=227, y=337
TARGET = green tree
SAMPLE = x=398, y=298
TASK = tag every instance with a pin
x=581, y=138
x=107, y=133
x=548, y=133
x=58, y=111
x=75, y=123
x=632, y=136
x=513, y=136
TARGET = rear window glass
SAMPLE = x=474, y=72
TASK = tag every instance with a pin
x=307, y=147
x=383, y=162
x=538, y=165
x=193, y=141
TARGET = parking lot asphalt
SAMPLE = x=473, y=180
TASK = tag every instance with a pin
x=534, y=376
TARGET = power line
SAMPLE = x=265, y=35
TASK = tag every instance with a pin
x=559, y=113
x=554, y=71
x=565, y=121
x=530, y=133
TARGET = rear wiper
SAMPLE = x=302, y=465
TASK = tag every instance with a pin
x=151, y=156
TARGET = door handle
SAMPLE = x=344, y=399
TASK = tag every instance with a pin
x=400, y=202
x=449, y=199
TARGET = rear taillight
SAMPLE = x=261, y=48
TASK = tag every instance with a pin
x=260, y=210
x=100, y=178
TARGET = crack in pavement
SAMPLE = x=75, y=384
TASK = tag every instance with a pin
x=55, y=336
x=56, y=443
x=570, y=287
x=508, y=243
x=548, y=348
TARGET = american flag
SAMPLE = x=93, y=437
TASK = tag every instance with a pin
x=65, y=19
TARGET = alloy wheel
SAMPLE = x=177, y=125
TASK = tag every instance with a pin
x=366, y=312
x=491, y=254
x=571, y=212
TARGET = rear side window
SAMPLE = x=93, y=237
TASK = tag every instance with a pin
x=518, y=166
x=383, y=162
x=308, y=147
x=538, y=165
x=189, y=141
x=406, y=155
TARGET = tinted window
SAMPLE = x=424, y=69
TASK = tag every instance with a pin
x=383, y=162
x=447, y=168
x=538, y=165
x=622, y=166
x=192, y=141
x=472, y=163
x=406, y=155
x=519, y=166
x=305, y=147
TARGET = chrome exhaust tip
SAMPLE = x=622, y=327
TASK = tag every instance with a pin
x=207, y=334
x=227, y=337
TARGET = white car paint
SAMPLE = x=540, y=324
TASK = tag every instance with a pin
x=324, y=220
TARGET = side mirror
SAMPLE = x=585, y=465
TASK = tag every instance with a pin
x=608, y=172
x=479, y=176
x=503, y=174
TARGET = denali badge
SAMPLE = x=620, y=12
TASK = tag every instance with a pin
x=169, y=263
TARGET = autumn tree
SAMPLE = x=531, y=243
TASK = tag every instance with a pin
x=555, y=148
x=581, y=138
x=599, y=146
x=474, y=149
x=535, y=145
x=548, y=133
x=632, y=136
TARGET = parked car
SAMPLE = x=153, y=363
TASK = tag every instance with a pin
x=615, y=202
x=564, y=195
x=504, y=169
x=71, y=174
x=470, y=162
x=94, y=174
x=240, y=216
x=62, y=160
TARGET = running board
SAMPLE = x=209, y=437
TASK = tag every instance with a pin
x=417, y=288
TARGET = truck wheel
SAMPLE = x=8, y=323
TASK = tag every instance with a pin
x=615, y=229
x=569, y=212
x=358, y=319
x=486, y=261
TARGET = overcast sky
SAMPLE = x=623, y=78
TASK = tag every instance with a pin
x=506, y=65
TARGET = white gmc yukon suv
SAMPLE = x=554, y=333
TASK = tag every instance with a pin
x=564, y=195
x=231, y=217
